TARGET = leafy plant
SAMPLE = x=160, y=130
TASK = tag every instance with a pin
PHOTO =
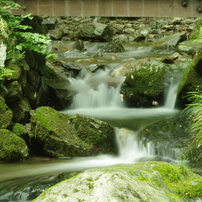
x=194, y=111
x=3, y=73
x=20, y=38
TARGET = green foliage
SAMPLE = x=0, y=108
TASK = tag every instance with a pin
x=194, y=152
x=3, y=73
x=19, y=38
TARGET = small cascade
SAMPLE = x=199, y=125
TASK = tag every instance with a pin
x=171, y=95
x=96, y=90
x=130, y=148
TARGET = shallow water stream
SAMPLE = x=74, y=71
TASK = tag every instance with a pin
x=104, y=103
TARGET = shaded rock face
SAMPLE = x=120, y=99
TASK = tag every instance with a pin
x=151, y=181
x=60, y=135
x=12, y=147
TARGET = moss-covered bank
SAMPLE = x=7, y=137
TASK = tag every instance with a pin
x=150, y=181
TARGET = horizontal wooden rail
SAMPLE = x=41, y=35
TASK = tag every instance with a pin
x=111, y=8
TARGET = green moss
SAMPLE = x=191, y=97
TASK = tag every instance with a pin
x=185, y=183
x=196, y=31
x=63, y=135
x=6, y=114
x=12, y=147
x=182, y=181
x=18, y=129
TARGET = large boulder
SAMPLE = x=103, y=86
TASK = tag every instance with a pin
x=146, y=84
x=6, y=114
x=150, y=181
x=12, y=147
x=61, y=135
x=96, y=31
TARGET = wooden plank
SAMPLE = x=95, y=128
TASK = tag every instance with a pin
x=114, y=8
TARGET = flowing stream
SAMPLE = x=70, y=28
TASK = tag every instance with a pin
x=97, y=95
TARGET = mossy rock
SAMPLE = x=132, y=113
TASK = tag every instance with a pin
x=146, y=84
x=170, y=136
x=150, y=181
x=6, y=114
x=62, y=135
x=12, y=147
x=19, y=129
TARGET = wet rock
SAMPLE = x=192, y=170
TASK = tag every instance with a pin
x=153, y=181
x=61, y=135
x=59, y=96
x=61, y=48
x=129, y=67
x=168, y=44
x=6, y=114
x=12, y=147
x=170, y=137
x=75, y=54
x=112, y=47
x=189, y=47
x=96, y=31
x=171, y=59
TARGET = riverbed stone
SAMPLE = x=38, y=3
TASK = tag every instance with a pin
x=96, y=30
x=168, y=44
x=149, y=181
x=61, y=135
x=12, y=147
x=6, y=114
x=112, y=47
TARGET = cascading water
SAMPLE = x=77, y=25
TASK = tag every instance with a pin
x=96, y=90
x=98, y=95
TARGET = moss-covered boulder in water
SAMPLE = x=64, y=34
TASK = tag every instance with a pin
x=150, y=181
x=6, y=114
x=170, y=136
x=62, y=135
x=145, y=85
x=12, y=147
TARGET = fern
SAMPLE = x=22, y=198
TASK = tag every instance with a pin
x=194, y=111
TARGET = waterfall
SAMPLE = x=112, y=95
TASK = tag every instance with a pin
x=131, y=148
x=96, y=90
x=171, y=95
x=97, y=94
